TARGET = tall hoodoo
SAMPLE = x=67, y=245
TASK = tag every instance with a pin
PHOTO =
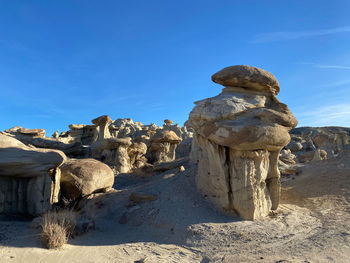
x=240, y=133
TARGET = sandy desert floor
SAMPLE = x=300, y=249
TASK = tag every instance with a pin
x=312, y=224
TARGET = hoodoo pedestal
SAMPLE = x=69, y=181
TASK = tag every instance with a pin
x=238, y=137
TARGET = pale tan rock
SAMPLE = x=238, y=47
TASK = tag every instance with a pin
x=32, y=132
x=247, y=77
x=81, y=177
x=319, y=155
x=163, y=146
x=86, y=134
x=55, y=134
x=29, y=177
x=136, y=153
x=102, y=130
x=238, y=137
x=168, y=122
x=113, y=151
x=287, y=157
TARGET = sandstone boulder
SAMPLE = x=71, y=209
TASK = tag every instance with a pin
x=82, y=177
x=247, y=77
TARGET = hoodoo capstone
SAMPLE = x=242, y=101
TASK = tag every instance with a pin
x=238, y=137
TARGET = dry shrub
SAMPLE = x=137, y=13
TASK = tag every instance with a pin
x=58, y=226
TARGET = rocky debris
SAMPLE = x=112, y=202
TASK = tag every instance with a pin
x=321, y=143
x=163, y=146
x=287, y=163
x=319, y=155
x=239, y=135
x=29, y=177
x=55, y=134
x=126, y=128
x=82, y=177
x=123, y=144
x=287, y=157
x=82, y=133
x=136, y=153
x=138, y=197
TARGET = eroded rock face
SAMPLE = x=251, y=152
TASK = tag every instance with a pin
x=81, y=177
x=29, y=177
x=238, y=137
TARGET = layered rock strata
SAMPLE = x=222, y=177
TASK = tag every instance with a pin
x=29, y=177
x=238, y=137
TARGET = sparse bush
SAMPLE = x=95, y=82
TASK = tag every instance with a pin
x=58, y=226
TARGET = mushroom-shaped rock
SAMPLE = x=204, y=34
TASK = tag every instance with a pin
x=240, y=133
x=81, y=177
x=114, y=152
x=102, y=124
x=163, y=146
x=168, y=122
x=247, y=77
x=29, y=177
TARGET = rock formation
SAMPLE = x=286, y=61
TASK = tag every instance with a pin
x=82, y=177
x=163, y=146
x=29, y=177
x=239, y=135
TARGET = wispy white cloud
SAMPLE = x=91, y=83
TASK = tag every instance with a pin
x=328, y=115
x=332, y=66
x=325, y=66
x=291, y=35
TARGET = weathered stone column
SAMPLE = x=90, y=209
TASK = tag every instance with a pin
x=238, y=137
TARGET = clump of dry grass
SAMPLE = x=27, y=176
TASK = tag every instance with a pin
x=58, y=226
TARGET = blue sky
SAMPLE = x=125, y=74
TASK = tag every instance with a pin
x=64, y=62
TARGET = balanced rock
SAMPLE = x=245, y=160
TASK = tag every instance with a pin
x=247, y=77
x=239, y=135
x=81, y=177
x=29, y=177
